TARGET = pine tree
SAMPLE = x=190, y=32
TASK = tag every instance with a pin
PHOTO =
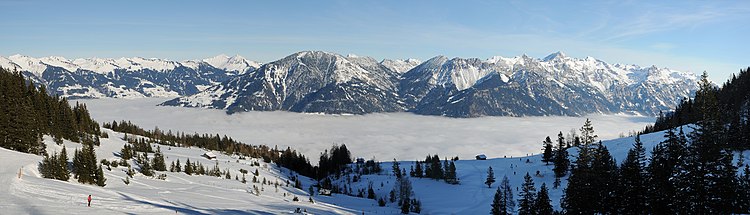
x=543, y=204
x=396, y=169
x=100, y=180
x=418, y=172
x=450, y=173
x=146, y=168
x=707, y=176
x=633, y=180
x=64, y=173
x=561, y=157
x=126, y=152
x=370, y=191
x=158, y=163
x=178, y=167
x=579, y=195
x=587, y=133
x=490, y=177
x=405, y=206
x=743, y=199
x=84, y=164
x=189, y=167
x=662, y=170
x=381, y=202
x=605, y=181
x=526, y=203
x=507, y=199
x=498, y=205
x=547, y=155
x=46, y=167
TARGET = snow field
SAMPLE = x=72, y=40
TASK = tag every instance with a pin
x=179, y=193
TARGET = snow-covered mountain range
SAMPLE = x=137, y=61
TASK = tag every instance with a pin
x=307, y=82
x=322, y=82
x=127, y=77
x=554, y=85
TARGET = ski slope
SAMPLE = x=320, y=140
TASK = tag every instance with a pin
x=178, y=194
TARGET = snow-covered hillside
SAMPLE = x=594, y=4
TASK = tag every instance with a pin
x=186, y=194
x=179, y=193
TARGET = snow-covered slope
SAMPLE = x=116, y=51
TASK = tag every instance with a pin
x=127, y=77
x=179, y=193
x=472, y=196
x=186, y=194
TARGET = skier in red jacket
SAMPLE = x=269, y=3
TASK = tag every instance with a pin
x=89, y=200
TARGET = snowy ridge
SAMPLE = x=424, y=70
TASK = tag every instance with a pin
x=235, y=63
x=127, y=77
x=106, y=65
x=401, y=66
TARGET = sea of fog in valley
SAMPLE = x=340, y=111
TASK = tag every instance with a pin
x=403, y=136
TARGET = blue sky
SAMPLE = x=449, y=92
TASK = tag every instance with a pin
x=685, y=35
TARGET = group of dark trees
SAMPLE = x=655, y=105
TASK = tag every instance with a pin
x=334, y=161
x=84, y=167
x=402, y=192
x=530, y=201
x=288, y=158
x=557, y=153
x=732, y=101
x=691, y=173
x=27, y=112
x=432, y=168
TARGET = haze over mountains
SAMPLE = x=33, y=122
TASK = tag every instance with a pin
x=323, y=82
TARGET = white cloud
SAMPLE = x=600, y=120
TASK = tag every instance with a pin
x=402, y=136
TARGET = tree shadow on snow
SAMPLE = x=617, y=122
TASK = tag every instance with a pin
x=182, y=208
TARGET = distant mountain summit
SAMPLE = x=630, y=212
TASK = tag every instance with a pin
x=309, y=81
x=323, y=82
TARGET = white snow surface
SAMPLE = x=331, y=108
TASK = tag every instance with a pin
x=178, y=194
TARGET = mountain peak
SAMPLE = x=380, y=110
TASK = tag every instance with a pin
x=234, y=63
x=556, y=55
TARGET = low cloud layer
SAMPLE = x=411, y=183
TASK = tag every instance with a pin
x=403, y=136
